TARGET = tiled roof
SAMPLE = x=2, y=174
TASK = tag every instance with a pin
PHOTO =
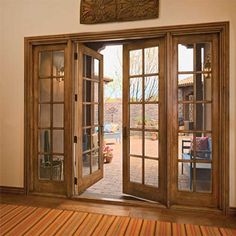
x=186, y=82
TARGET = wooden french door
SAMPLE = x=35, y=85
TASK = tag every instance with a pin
x=88, y=117
x=195, y=177
x=49, y=160
x=144, y=119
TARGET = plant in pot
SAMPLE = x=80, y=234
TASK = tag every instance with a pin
x=107, y=154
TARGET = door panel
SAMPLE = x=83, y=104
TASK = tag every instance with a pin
x=49, y=161
x=144, y=132
x=89, y=124
x=195, y=177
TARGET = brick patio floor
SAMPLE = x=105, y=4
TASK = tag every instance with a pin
x=111, y=184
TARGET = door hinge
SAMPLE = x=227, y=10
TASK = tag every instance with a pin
x=124, y=132
x=75, y=56
x=75, y=180
x=76, y=97
x=75, y=139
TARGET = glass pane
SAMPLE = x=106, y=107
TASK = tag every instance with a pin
x=185, y=87
x=86, y=115
x=87, y=90
x=58, y=90
x=135, y=62
x=151, y=144
x=45, y=62
x=44, y=144
x=44, y=115
x=203, y=116
x=58, y=63
x=185, y=176
x=186, y=116
x=151, y=89
x=86, y=139
x=151, y=172
x=44, y=88
x=136, y=143
x=96, y=69
x=151, y=60
x=86, y=164
x=95, y=137
x=96, y=92
x=58, y=115
x=136, y=116
x=44, y=167
x=135, y=169
x=185, y=146
x=96, y=114
x=135, y=90
x=58, y=168
x=203, y=177
x=58, y=141
x=185, y=57
x=203, y=57
x=203, y=146
x=87, y=66
x=151, y=116
x=95, y=160
x=203, y=88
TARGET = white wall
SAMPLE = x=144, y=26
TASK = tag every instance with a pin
x=44, y=17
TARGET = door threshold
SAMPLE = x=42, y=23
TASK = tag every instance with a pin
x=124, y=200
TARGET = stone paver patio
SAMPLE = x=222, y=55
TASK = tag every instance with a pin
x=111, y=184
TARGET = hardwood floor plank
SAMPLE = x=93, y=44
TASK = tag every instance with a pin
x=119, y=226
x=192, y=230
x=7, y=209
x=2, y=206
x=210, y=231
x=227, y=232
x=178, y=229
x=28, y=222
x=134, y=227
x=44, y=222
x=16, y=220
x=89, y=225
x=72, y=224
x=148, y=228
x=11, y=214
x=104, y=225
x=163, y=228
x=57, y=223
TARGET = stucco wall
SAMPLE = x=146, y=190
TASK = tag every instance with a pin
x=43, y=17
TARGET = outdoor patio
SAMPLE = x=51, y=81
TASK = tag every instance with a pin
x=111, y=184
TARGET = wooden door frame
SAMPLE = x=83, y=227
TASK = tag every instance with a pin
x=221, y=28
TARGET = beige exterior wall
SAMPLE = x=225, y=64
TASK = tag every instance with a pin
x=42, y=17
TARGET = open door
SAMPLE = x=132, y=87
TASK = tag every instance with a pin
x=144, y=121
x=88, y=117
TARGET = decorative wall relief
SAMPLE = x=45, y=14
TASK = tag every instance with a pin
x=101, y=11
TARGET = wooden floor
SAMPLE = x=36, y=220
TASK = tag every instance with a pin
x=47, y=215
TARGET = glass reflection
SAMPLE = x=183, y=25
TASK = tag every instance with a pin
x=135, y=170
x=151, y=89
x=151, y=60
x=136, y=62
x=151, y=172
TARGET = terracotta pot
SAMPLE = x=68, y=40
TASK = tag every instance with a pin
x=108, y=158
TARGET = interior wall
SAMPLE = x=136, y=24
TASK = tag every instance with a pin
x=42, y=17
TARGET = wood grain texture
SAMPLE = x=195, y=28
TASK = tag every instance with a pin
x=101, y=11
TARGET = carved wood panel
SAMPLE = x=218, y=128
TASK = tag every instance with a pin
x=101, y=11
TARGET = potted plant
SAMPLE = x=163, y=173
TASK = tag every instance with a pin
x=107, y=154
